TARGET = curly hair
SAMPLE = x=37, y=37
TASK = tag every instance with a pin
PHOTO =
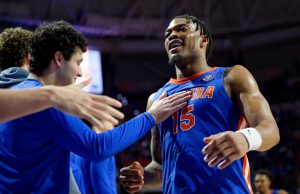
x=50, y=38
x=14, y=47
x=203, y=31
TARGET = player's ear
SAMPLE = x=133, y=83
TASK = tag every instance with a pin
x=58, y=58
x=204, y=40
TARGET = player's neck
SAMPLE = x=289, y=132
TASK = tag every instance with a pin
x=185, y=71
x=48, y=79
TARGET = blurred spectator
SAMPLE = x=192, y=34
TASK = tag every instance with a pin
x=263, y=183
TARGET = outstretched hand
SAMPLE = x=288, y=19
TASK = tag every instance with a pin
x=164, y=107
x=94, y=108
x=224, y=148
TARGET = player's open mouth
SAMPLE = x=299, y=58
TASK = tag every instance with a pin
x=175, y=45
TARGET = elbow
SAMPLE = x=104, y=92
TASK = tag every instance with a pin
x=277, y=137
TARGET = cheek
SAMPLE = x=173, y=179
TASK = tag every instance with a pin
x=194, y=42
x=76, y=69
x=166, y=45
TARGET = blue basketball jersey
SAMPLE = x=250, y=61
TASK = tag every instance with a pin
x=274, y=191
x=209, y=111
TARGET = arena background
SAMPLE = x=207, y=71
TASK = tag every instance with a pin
x=263, y=35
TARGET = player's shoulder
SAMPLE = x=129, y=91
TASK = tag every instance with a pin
x=238, y=79
x=150, y=100
x=152, y=96
x=237, y=74
x=236, y=70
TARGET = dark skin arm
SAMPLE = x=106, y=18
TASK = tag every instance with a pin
x=224, y=148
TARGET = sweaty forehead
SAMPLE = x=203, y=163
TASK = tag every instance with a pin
x=181, y=21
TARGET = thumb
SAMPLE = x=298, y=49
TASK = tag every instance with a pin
x=83, y=82
x=137, y=166
x=164, y=94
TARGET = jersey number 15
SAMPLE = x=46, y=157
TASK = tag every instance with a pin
x=186, y=120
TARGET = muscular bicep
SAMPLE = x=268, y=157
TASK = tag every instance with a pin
x=253, y=105
x=155, y=137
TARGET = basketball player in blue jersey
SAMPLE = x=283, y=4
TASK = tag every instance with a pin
x=35, y=149
x=202, y=148
x=263, y=183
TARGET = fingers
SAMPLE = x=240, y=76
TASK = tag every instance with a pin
x=176, y=101
x=224, y=148
x=219, y=157
x=136, y=165
x=107, y=100
x=216, y=151
x=105, y=103
x=164, y=94
x=130, y=172
x=209, y=139
x=179, y=95
x=131, y=177
x=184, y=97
x=131, y=180
x=132, y=189
x=178, y=107
x=93, y=120
x=103, y=115
x=212, y=142
x=83, y=82
x=229, y=160
x=108, y=110
x=163, y=108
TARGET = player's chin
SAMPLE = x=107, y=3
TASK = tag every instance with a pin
x=175, y=58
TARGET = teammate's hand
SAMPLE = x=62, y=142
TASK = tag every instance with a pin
x=132, y=177
x=224, y=148
x=94, y=108
x=164, y=107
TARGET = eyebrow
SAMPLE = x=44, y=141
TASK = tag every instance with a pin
x=177, y=26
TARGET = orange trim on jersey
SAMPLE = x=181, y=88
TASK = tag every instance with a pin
x=183, y=80
x=246, y=173
x=246, y=168
x=241, y=120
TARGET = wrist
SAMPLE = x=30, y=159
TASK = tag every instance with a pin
x=153, y=116
x=49, y=96
x=253, y=138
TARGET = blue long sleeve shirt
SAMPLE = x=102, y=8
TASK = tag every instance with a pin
x=94, y=177
x=35, y=149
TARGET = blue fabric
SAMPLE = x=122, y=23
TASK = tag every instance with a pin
x=274, y=191
x=35, y=149
x=12, y=76
x=94, y=177
x=211, y=111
